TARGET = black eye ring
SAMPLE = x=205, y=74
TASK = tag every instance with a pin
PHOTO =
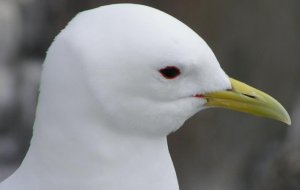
x=170, y=72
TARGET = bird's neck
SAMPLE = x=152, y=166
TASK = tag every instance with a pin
x=91, y=159
x=73, y=148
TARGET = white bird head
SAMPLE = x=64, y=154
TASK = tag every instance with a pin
x=148, y=71
x=115, y=82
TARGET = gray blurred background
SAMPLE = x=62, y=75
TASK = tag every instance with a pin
x=255, y=41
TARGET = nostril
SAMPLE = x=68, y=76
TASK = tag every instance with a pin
x=250, y=96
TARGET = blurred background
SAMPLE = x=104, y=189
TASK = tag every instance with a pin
x=255, y=41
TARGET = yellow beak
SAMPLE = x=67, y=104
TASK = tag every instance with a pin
x=247, y=99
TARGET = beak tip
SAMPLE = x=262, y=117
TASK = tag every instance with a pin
x=286, y=117
x=288, y=120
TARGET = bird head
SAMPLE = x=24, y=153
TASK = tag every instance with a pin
x=149, y=72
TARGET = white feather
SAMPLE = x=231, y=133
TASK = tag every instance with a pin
x=104, y=109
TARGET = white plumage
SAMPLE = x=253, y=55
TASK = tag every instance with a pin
x=105, y=109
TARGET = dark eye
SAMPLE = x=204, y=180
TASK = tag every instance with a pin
x=170, y=72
